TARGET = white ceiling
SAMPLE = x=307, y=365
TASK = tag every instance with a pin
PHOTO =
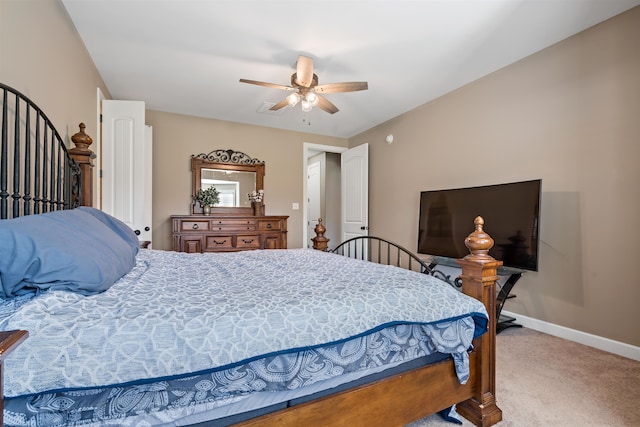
x=186, y=56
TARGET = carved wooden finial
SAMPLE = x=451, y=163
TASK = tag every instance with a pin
x=81, y=139
x=83, y=156
x=320, y=242
x=479, y=243
x=319, y=228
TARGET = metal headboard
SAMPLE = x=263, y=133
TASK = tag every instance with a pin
x=382, y=251
x=37, y=174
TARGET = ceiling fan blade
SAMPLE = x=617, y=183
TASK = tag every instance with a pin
x=304, y=71
x=273, y=85
x=279, y=105
x=326, y=105
x=341, y=87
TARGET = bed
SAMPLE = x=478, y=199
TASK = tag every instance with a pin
x=100, y=332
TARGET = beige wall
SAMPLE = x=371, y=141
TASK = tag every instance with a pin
x=570, y=115
x=177, y=137
x=42, y=56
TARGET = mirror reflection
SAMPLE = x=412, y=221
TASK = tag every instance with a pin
x=233, y=186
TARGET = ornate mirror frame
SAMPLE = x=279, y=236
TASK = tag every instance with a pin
x=229, y=160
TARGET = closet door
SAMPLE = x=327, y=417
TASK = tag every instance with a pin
x=126, y=165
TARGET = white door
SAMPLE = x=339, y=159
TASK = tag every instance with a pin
x=126, y=165
x=355, y=192
x=313, y=199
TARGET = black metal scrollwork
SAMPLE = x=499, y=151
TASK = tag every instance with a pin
x=455, y=282
x=37, y=173
x=228, y=156
x=76, y=182
x=382, y=251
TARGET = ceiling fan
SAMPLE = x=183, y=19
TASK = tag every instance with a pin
x=305, y=88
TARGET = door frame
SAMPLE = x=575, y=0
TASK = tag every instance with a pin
x=311, y=191
x=309, y=149
x=97, y=149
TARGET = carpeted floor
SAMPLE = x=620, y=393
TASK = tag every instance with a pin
x=547, y=381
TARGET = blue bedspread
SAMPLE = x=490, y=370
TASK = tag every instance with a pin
x=178, y=314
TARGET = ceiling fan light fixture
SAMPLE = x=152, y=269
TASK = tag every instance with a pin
x=312, y=98
x=293, y=99
x=306, y=106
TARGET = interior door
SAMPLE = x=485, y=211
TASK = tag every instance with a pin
x=355, y=192
x=126, y=165
x=313, y=199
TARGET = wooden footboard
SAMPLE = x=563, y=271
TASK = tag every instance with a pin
x=407, y=397
x=394, y=401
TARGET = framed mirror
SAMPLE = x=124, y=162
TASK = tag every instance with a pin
x=233, y=173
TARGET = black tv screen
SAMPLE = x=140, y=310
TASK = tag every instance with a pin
x=511, y=213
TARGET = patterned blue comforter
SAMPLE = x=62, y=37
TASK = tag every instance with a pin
x=176, y=315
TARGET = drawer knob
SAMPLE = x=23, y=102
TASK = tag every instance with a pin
x=269, y=225
x=195, y=226
x=219, y=243
x=247, y=241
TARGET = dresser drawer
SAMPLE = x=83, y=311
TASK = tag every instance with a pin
x=248, y=242
x=218, y=242
x=268, y=225
x=233, y=224
x=228, y=233
x=194, y=225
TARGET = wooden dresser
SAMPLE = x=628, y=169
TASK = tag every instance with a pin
x=209, y=233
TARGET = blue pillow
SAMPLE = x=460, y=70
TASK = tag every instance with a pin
x=69, y=249
x=119, y=227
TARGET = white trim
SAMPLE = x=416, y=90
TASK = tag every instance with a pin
x=97, y=150
x=606, y=344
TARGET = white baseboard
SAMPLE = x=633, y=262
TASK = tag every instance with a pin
x=606, y=344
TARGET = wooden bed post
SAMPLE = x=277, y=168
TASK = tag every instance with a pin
x=83, y=156
x=320, y=242
x=479, y=276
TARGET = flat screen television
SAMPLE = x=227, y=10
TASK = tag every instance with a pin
x=511, y=213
